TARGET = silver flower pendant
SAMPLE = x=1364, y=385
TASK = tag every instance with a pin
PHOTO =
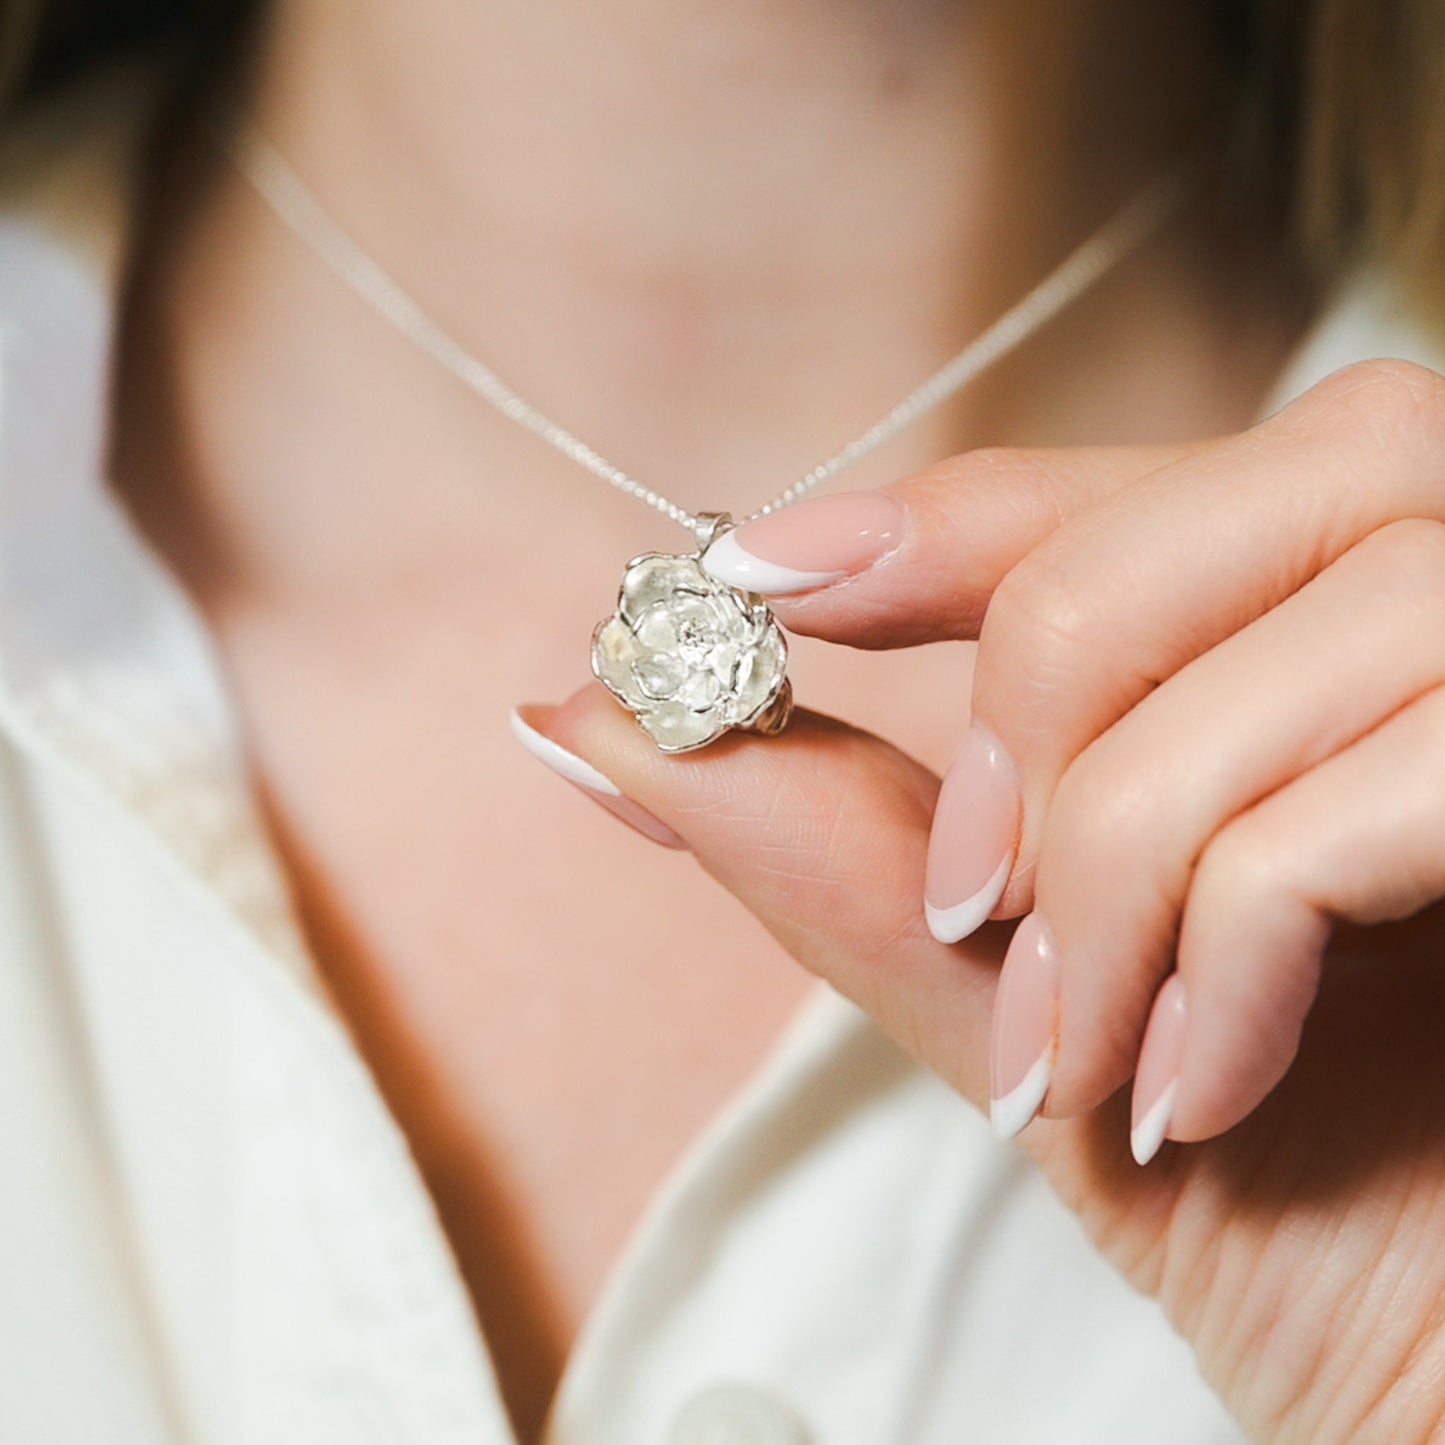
x=691, y=656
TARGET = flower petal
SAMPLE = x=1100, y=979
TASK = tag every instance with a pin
x=723, y=662
x=659, y=675
x=700, y=691
x=759, y=677
x=675, y=728
x=656, y=629
x=658, y=575
x=761, y=620
x=729, y=614
x=613, y=654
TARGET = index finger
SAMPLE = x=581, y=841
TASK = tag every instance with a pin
x=918, y=560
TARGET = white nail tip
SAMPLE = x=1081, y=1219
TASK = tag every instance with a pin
x=1009, y=1114
x=958, y=920
x=560, y=760
x=1148, y=1134
x=730, y=562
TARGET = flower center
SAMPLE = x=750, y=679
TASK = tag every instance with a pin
x=695, y=641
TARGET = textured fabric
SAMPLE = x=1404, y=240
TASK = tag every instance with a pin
x=211, y=1228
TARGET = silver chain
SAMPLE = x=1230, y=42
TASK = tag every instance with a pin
x=294, y=203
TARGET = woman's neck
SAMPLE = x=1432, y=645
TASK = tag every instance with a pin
x=663, y=215
x=713, y=240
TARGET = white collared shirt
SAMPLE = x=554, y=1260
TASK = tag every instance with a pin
x=211, y=1228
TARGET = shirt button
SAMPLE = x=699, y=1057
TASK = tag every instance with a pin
x=736, y=1415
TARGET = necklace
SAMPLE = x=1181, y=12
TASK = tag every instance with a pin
x=689, y=655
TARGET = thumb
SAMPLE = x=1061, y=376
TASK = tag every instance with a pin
x=822, y=833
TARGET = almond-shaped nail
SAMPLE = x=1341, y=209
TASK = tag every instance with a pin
x=1025, y=1028
x=809, y=544
x=594, y=783
x=1156, y=1079
x=975, y=831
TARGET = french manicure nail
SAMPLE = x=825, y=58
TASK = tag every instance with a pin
x=1025, y=1028
x=597, y=785
x=1156, y=1080
x=975, y=830
x=807, y=545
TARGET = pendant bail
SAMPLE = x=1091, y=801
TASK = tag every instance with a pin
x=707, y=527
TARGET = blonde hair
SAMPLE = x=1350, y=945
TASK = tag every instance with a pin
x=1334, y=125
x=1332, y=115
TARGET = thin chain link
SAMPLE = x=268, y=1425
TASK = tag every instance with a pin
x=293, y=202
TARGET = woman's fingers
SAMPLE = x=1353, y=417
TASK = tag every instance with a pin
x=1360, y=837
x=821, y=832
x=1133, y=815
x=1100, y=573
x=1162, y=656
x=1146, y=579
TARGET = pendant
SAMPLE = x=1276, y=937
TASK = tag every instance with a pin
x=692, y=657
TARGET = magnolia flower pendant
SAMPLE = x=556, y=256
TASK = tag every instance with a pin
x=691, y=656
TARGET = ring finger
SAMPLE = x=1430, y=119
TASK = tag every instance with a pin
x=1359, y=838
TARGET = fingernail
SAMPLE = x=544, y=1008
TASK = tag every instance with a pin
x=807, y=545
x=597, y=785
x=1157, y=1077
x=1025, y=1028
x=975, y=831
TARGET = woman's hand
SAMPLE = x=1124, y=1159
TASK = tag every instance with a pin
x=1209, y=755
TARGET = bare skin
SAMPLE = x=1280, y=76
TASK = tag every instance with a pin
x=818, y=202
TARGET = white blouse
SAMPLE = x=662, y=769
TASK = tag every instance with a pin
x=211, y=1228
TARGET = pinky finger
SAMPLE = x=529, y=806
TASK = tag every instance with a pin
x=1360, y=836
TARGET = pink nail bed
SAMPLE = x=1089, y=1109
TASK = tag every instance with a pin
x=1025, y=1026
x=975, y=831
x=809, y=544
x=1156, y=1079
x=594, y=783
